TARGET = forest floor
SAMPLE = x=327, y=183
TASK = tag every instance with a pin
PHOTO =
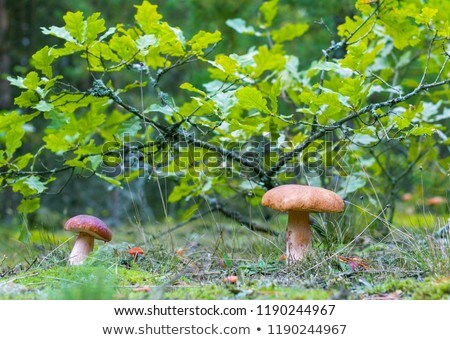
x=195, y=261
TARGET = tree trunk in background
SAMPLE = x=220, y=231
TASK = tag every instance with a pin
x=5, y=91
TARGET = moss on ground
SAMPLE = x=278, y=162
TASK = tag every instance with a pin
x=426, y=289
x=404, y=266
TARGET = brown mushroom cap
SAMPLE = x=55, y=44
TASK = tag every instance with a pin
x=89, y=225
x=436, y=200
x=295, y=197
x=136, y=251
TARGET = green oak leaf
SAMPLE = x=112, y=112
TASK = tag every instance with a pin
x=251, y=98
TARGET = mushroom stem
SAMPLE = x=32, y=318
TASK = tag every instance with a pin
x=298, y=236
x=81, y=249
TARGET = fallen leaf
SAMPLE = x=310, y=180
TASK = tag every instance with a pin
x=221, y=263
x=142, y=289
x=180, y=283
x=385, y=296
x=354, y=262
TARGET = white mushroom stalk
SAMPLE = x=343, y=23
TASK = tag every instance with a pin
x=84, y=245
x=298, y=236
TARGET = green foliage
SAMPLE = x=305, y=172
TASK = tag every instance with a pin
x=429, y=289
x=250, y=98
x=382, y=84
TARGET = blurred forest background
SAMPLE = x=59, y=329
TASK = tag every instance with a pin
x=146, y=201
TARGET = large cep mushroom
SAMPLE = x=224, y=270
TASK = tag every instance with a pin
x=298, y=201
x=88, y=228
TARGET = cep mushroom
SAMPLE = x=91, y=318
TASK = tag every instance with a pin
x=88, y=228
x=298, y=201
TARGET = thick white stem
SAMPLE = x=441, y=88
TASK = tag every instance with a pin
x=298, y=236
x=81, y=249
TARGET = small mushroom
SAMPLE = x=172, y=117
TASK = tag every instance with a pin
x=231, y=279
x=298, y=201
x=136, y=252
x=436, y=200
x=88, y=228
x=406, y=197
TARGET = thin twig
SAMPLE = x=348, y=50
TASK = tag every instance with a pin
x=238, y=217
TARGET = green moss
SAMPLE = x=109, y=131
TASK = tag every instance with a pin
x=434, y=290
x=100, y=286
x=80, y=282
x=76, y=282
x=133, y=277
x=224, y=291
x=428, y=289
x=292, y=293
x=12, y=291
x=110, y=273
x=207, y=292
